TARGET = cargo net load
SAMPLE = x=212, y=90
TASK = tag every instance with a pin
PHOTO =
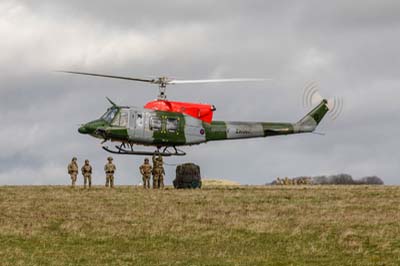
x=187, y=176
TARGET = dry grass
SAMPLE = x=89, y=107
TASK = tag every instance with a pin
x=331, y=225
x=218, y=183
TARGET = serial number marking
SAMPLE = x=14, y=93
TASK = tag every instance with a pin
x=243, y=131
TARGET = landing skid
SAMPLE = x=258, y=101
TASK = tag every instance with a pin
x=165, y=152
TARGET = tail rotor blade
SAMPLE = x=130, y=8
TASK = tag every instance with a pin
x=337, y=108
x=312, y=96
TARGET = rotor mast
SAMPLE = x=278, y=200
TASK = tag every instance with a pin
x=162, y=87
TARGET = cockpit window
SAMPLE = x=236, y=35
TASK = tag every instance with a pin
x=110, y=114
x=121, y=118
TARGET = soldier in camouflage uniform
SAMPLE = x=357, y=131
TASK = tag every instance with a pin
x=73, y=171
x=110, y=168
x=158, y=171
x=286, y=181
x=87, y=174
x=146, y=170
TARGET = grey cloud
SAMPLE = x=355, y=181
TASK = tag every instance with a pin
x=350, y=49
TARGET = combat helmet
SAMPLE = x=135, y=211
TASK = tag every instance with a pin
x=110, y=158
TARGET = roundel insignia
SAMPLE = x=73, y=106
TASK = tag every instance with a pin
x=202, y=131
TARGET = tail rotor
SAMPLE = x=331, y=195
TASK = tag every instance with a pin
x=312, y=96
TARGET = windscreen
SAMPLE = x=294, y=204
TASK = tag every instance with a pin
x=109, y=115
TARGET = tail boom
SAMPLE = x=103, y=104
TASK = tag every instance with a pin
x=221, y=130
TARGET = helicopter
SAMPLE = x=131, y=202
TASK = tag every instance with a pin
x=168, y=125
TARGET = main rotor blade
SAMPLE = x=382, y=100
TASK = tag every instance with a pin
x=214, y=80
x=109, y=76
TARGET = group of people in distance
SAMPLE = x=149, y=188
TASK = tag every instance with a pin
x=146, y=170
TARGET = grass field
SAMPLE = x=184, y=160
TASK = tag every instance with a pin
x=330, y=225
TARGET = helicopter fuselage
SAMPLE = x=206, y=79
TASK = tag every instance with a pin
x=133, y=125
x=164, y=123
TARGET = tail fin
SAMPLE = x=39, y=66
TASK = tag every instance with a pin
x=309, y=122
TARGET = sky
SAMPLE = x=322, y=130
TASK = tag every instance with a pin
x=349, y=48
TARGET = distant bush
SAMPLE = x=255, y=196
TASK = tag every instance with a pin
x=340, y=179
x=370, y=180
x=320, y=180
x=346, y=179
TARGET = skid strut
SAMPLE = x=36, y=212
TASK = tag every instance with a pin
x=121, y=149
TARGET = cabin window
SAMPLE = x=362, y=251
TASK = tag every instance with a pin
x=139, y=120
x=155, y=123
x=172, y=124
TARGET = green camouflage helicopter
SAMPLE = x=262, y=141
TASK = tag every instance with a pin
x=168, y=125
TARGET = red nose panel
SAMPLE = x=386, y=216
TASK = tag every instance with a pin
x=200, y=111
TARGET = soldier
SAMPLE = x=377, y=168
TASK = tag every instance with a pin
x=73, y=171
x=278, y=181
x=286, y=181
x=87, y=174
x=145, y=170
x=158, y=172
x=109, y=168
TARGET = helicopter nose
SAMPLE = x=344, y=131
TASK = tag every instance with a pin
x=83, y=130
